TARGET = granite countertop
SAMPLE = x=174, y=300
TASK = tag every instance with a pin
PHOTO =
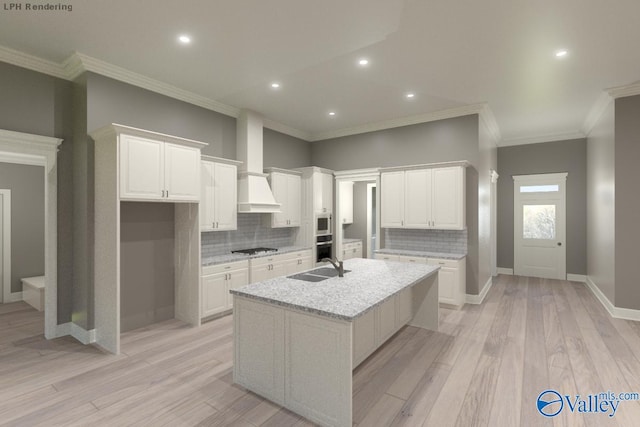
x=443, y=255
x=351, y=241
x=368, y=284
x=223, y=259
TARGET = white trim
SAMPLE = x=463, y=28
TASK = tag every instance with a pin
x=370, y=251
x=538, y=139
x=577, y=278
x=616, y=312
x=31, y=62
x=465, y=110
x=5, y=281
x=357, y=174
x=596, y=112
x=489, y=120
x=541, y=178
x=287, y=130
x=82, y=335
x=507, y=271
x=624, y=91
x=478, y=299
x=41, y=150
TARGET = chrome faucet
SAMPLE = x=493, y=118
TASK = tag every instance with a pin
x=336, y=264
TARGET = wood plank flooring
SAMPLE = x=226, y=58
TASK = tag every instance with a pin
x=485, y=367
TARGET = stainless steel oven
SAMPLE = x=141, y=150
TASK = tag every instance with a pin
x=324, y=247
x=323, y=224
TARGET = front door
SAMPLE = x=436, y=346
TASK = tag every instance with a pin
x=539, y=225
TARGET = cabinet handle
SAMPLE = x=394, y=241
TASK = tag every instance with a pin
x=402, y=222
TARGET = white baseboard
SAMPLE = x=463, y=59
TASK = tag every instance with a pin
x=478, y=299
x=14, y=297
x=577, y=278
x=616, y=312
x=507, y=271
x=79, y=333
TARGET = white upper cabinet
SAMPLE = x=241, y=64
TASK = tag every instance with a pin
x=392, y=199
x=219, y=201
x=287, y=190
x=427, y=197
x=346, y=202
x=155, y=170
x=323, y=192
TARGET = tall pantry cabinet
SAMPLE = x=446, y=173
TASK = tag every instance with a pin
x=134, y=165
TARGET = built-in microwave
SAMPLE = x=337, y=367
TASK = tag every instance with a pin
x=323, y=224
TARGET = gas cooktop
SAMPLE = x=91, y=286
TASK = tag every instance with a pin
x=254, y=251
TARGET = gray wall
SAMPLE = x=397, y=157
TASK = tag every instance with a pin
x=39, y=104
x=284, y=151
x=550, y=157
x=147, y=277
x=27, y=220
x=601, y=201
x=439, y=141
x=627, y=177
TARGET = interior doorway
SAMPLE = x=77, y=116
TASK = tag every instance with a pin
x=540, y=225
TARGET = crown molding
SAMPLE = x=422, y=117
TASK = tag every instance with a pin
x=401, y=121
x=596, y=111
x=282, y=128
x=537, y=139
x=622, y=91
x=31, y=62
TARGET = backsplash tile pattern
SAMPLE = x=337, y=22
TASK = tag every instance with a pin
x=253, y=231
x=446, y=241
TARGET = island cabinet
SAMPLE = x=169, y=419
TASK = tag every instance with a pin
x=152, y=169
x=297, y=346
x=219, y=200
x=217, y=281
x=287, y=189
x=423, y=197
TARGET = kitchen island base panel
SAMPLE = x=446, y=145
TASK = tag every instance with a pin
x=304, y=361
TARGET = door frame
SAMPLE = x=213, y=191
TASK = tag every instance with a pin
x=540, y=179
x=370, y=250
x=356, y=175
x=5, y=280
x=36, y=150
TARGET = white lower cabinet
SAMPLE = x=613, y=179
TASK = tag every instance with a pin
x=269, y=267
x=351, y=250
x=217, y=280
x=452, y=277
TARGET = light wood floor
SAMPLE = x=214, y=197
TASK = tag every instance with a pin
x=485, y=367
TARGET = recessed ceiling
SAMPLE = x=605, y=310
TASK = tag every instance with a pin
x=452, y=54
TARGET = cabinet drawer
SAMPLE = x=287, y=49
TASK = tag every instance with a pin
x=451, y=263
x=293, y=255
x=256, y=262
x=387, y=257
x=412, y=259
x=221, y=268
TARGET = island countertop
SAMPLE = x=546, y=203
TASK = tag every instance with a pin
x=368, y=284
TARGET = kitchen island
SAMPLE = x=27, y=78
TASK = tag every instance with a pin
x=296, y=341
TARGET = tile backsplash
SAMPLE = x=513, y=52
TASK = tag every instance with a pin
x=254, y=230
x=446, y=241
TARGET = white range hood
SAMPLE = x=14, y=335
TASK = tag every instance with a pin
x=254, y=193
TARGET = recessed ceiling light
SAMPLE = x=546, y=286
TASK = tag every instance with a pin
x=410, y=95
x=275, y=85
x=363, y=62
x=561, y=53
x=184, y=39
x=332, y=113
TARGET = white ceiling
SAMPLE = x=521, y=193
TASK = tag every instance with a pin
x=449, y=53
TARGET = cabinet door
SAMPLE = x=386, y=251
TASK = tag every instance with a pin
x=260, y=273
x=417, y=198
x=294, y=200
x=206, y=197
x=327, y=192
x=447, y=285
x=392, y=200
x=237, y=278
x=225, y=202
x=357, y=251
x=346, y=203
x=448, y=198
x=214, y=294
x=386, y=320
x=364, y=336
x=404, y=307
x=279, y=188
x=296, y=265
x=182, y=172
x=141, y=168
x=305, y=263
x=278, y=269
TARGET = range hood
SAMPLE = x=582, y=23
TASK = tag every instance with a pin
x=254, y=193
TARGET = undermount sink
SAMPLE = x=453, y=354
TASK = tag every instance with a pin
x=317, y=275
